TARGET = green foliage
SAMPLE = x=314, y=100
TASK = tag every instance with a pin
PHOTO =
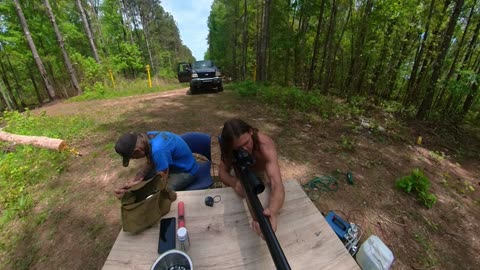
x=123, y=89
x=167, y=73
x=292, y=98
x=88, y=70
x=129, y=59
x=419, y=184
x=288, y=98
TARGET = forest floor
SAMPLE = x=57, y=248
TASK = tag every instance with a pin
x=84, y=221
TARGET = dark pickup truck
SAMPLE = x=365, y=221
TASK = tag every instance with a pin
x=202, y=75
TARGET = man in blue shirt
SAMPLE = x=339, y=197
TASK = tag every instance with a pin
x=167, y=155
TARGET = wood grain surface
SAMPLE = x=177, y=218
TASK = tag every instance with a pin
x=221, y=237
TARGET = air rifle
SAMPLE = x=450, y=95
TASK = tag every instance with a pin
x=253, y=186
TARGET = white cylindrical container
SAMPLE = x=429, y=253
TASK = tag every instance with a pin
x=173, y=259
x=183, y=239
x=374, y=255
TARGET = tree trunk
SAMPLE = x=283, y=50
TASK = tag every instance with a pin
x=316, y=45
x=39, y=141
x=258, y=16
x=288, y=51
x=244, y=41
x=299, y=47
x=35, y=87
x=147, y=37
x=3, y=99
x=419, y=85
x=235, y=39
x=18, y=87
x=457, y=53
x=9, y=88
x=87, y=31
x=337, y=47
x=471, y=47
x=437, y=65
x=470, y=98
x=33, y=48
x=328, y=50
x=356, y=72
x=97, y=27
x=61, y=44
x=379, y=66
x=419, y=56
x=392, y=80
x=266, y=37
x=264, y=42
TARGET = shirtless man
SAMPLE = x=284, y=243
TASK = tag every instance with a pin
x=237, y=134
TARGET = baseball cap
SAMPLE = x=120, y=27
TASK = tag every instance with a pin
x=125, y=146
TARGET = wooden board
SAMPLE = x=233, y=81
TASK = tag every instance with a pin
x=221, y=237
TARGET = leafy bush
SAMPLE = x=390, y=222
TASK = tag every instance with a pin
x=129, y=59
x=247, y=88
x=88, y=70
x=419, y=184
x=292, y=98
x=289, y=98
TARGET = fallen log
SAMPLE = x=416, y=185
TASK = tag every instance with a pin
x=39, y=141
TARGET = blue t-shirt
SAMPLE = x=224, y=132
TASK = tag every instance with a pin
x=170, y=151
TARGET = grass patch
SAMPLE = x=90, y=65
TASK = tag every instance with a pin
x=62, y=127
x=26, y=171
x=428, y=258
x=23, y=166
x=123, y=89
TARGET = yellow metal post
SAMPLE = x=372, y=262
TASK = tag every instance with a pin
x=111, y=77
x=149, y=80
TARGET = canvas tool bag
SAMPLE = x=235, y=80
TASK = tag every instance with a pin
x=144, y=203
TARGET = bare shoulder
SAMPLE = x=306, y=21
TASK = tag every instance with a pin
x=266, y=144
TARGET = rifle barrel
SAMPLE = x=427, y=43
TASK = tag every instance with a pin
x=250, y=184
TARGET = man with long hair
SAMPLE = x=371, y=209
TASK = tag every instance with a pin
x=167, y=155
x=238, y=135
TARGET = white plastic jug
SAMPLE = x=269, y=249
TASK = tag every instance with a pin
x=374, y=255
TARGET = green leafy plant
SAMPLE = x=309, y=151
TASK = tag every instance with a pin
x=419, y=184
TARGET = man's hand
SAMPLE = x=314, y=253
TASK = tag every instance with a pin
x=239, y=189
x=273, y=221
x=120, y=191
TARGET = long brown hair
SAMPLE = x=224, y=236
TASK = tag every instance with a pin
x=233, y=129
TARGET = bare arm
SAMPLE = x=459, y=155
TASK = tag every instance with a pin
x=272, y=169
x=164, y=174
x=138, y=178
x=230, y=180
x=277, y=193
x=142, y=173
